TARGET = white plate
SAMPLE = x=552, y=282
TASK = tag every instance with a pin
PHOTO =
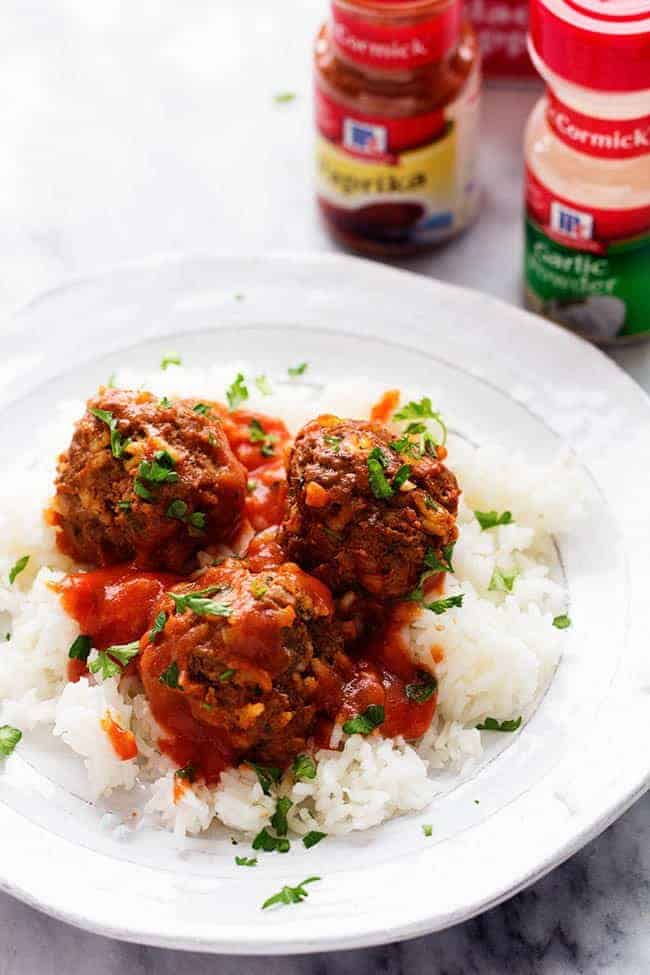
x=499, y=374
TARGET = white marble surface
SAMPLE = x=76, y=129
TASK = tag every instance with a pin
x=136, y=129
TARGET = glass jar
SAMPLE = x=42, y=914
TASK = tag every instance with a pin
x=397, y=97
x=587, y=150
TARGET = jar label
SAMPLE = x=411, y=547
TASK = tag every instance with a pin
x=409, y=180
x=587, y=268
x=605, y=138
x=396, y=45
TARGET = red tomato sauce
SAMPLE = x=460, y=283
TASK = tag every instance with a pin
x=123, y=741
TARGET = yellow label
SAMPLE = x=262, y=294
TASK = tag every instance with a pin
x=429, y=172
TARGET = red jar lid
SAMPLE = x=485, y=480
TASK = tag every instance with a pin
x=599, y=44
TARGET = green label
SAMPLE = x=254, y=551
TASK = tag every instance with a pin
x=600, y=295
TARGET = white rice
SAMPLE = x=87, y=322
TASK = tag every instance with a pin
x=496, y=654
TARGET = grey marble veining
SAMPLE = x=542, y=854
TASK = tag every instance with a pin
x=135, y=129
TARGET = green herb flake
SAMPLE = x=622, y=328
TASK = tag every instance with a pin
x=422, y=410
x=160, y=470
x=312, y=838
x=124, y=652
x=226, y=675
x=267, y=776
x=290, y=895
x=442, y=564
x=279, y=817
x=258, y=588
x=427, y=829
x=304, y=768
x=170, y=359
x=258, y=435
x=188, y=772
x=9, y=738
x=164, y=403
x=379, y=486
x=401, y=477
x=118, y=444
x=142, y=490
x=363, y=724
x=502, y=581
x=104, y=665
x=170, y=676
x=490, y=519
x=158, y=626
x=183, y=601
x=441, y=606
x=80, y=648
x=201, y=408
x=265, y=841
x=237, y=392
x=334, y=443
x=177, y=509
x=298, y=370
x=562, y=622
x=423, y=690
x=124, y=505
x=17, y=568
x=263, y=385
x=491, y=724
x=284, y=97
x=246, y=861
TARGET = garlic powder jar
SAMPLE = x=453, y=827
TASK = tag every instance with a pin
x=587, y=150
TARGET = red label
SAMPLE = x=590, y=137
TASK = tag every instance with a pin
x=605, y=138
x=396, y=46
x=576, y=225
x=501, y=28
x=373, y=136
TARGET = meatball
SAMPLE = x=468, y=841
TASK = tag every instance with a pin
x=255, y=657
x=147, y=480
x=364, y=510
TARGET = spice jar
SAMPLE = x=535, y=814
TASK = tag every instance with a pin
x=587, y=148
x=397, y=98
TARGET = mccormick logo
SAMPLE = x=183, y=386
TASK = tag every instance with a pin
x=364, y=138
x=571, y=223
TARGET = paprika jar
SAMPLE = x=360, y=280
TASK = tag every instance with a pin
x=397, y=86
x=587, y=150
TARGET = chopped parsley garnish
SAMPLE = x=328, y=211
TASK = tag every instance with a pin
x=164, y=403
x=263, y=385
x=502, y=581
x=80, y=648
x=298, y=370
x=269, y=843
x=258, y=589
x=188, y=772
x=490, y=519
x=421, y=410
x=334, y=443
x=177, y=509
x=142, y=491
x=170, y=676
x=183, y=601
x=237, y=392
x=441, y=606
x=124, y=505
x=401, y=477
x=201, y=408
x=227, y=674
x=279, y=817
x=312, y=838
x=246, y=861
x=118, y=444
x=304, y=767
x=9, y=738
x=434, y=566
x=124, y=652
x=367, y=721
x=158, y=626
x=170, y=359
x=267, y=775
x=562, y=622
x=202, y=606
x=105, y=666
x=491, y=724
x=17, y=568
x=258, y=435
x=379, y=485
x=284, y=97
x=423, y=690
x=160, y=470
x=290, y=895
x=427, y=829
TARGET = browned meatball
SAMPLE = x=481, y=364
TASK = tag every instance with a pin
x=351, y=522
x=146, y=480
x=251, y=658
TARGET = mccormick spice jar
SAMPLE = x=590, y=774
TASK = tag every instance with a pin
x=587, y=146
x=397, y=98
